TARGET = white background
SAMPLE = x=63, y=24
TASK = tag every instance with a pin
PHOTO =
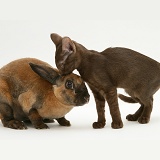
x=25, y=28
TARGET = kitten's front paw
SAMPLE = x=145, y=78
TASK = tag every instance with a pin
x=98, y=125
x=131, y=117
x=143, y=120
x=117, y=125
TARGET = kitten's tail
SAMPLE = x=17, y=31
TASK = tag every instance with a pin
x=126, y=99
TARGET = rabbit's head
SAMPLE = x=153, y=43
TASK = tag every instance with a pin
x=69, y=89
x=66, y=56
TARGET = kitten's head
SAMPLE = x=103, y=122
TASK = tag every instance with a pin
x=65, y=55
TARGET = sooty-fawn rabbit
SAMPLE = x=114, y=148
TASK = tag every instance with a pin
x=31, y=90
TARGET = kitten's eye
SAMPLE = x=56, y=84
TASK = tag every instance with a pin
x=69, y=84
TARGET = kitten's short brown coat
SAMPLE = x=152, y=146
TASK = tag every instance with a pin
x=108, y=70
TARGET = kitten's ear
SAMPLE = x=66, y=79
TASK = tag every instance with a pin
x=68, y=45
x=56, y=38
x=68, y=48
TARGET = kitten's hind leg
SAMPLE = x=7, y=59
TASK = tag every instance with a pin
x=136, y=115
x=145, y=116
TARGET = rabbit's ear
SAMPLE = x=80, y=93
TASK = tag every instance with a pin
x=56, y=38
x=45, y=72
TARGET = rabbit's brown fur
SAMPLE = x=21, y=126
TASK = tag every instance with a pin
x=26, y=95
x=108, y=70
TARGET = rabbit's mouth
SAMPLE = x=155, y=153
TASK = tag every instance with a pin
x=82, y=101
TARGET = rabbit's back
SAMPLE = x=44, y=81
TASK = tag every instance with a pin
x=19, y=75
x=17, y=78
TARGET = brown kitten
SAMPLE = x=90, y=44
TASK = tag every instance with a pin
x=108, y=70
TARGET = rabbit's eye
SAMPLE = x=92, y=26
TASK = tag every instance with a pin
x=69, y=84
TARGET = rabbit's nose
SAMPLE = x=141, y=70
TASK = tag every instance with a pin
x=86, y=99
